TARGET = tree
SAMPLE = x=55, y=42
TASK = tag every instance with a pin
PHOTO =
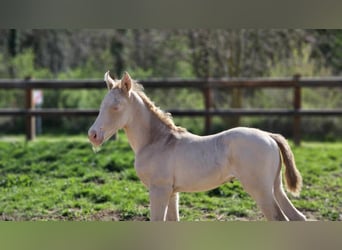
x=240, y=53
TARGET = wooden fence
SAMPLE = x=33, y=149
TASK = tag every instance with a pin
x=205, y=85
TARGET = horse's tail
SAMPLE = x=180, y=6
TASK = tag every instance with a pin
x=293, y=179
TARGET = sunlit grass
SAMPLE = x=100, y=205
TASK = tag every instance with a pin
x=61, y=178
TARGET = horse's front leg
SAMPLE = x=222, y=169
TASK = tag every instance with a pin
x=172, y=210
x=159, y=199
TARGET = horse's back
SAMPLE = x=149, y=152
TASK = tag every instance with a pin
x=236, y=142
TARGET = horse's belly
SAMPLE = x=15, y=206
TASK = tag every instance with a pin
x=201, y=167
x=201, y=186
x=198, y=180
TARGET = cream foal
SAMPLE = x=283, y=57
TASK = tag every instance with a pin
x=169, y=160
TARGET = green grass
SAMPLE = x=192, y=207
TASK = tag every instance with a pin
x=62, y=179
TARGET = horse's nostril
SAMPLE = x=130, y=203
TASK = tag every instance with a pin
x=92, y=135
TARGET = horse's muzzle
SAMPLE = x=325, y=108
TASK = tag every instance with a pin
x=96, y=138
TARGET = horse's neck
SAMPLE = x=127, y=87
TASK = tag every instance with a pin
x=143, y=125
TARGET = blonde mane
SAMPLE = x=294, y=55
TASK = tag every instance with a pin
x=166, y=118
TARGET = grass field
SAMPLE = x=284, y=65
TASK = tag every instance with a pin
x=62, y=179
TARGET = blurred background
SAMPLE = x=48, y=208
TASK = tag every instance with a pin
x=186, y=54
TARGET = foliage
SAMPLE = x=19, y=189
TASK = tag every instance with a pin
x=187, y=53
x=328, y=45
x=62, y=179
x=3, y=68
x=299, y=61
x=180, y=53
x=24, y=66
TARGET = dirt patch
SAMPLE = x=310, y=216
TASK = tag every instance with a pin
x=110, y=215
x=106, y=215
x=103, y=215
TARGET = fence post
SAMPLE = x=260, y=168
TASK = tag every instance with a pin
x=208, y=103
x=297, y=100
x=30, y=122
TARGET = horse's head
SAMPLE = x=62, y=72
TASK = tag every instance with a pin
x=113, y=113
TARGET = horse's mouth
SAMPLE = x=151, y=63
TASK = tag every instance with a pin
x=100, y=138
x=109, y=135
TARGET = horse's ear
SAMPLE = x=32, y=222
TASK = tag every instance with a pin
x=109, y=81
x=126, y=82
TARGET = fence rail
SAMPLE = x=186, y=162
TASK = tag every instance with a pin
x=286, y=82
x=205, y=85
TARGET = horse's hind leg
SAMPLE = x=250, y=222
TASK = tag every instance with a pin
x=261, y=190
x=286, y=205
x=267, y=203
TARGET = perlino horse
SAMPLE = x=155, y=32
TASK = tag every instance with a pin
x=169, y=160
